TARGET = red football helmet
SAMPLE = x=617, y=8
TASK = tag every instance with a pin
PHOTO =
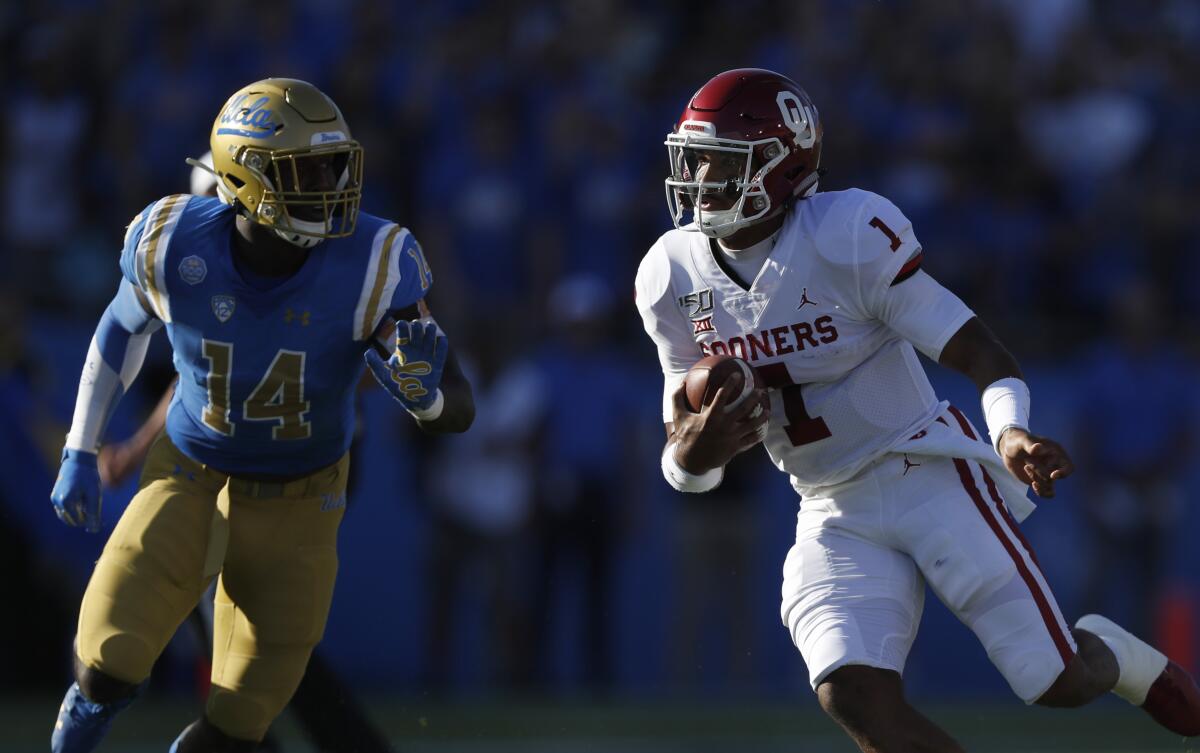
x=745, y=147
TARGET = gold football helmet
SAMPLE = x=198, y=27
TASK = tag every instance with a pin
x=282, y=154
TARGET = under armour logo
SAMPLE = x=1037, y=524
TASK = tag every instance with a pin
x=804, y=299
x=289, y=315
x=908, y=465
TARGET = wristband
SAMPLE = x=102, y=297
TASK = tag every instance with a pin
x=433, y=411
x=1005, y=406
x=683, y=481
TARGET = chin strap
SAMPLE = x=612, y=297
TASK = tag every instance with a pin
x=298, y=239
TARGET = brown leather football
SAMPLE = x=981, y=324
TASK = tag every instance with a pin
x=708, y=374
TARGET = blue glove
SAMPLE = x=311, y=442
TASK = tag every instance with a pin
x=414, y=371
x=76, y=493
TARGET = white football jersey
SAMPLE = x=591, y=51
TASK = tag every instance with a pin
x=829, y=324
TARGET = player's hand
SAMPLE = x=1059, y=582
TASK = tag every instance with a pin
x=709, y=439
x=1034, y=460
x=414, y=371
x=76, y=493
x=116, y=463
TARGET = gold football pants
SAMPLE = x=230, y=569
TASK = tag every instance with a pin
x=274, y=546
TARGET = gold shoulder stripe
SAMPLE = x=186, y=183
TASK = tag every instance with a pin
x=381, y=275
x=154, y=235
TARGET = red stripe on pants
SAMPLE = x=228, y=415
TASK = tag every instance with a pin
x=963, y=423
x=1043, y=604
x=1008, y=518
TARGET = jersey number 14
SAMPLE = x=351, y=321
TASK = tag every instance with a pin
x=279, y=396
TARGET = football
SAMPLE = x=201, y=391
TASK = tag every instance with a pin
x=708, y=374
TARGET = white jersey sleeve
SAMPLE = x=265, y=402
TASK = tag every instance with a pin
x=665, y=322
x=923, y=312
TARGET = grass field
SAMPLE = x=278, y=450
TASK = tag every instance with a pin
x=636, y=728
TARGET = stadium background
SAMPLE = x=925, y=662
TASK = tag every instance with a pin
x=535, y=585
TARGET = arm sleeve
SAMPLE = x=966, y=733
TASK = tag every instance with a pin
x=665, y=324
x=114, y=359
x=922, y=311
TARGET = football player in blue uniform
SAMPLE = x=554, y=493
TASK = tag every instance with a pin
x=270, y=295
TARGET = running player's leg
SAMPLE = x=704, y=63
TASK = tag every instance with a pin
x=149, y=576
x=869, y=704
x=1026, y=636
x=272, y=602
x=950, y=516
x=853, y=606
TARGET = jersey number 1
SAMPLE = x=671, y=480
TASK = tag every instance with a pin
x=801, y=428
x=279, y=396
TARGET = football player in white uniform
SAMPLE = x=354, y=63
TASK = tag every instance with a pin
x=824, y=296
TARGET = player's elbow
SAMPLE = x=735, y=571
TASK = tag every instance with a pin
x=976, y=352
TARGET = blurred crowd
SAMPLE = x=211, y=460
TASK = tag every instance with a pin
x=1045, y=152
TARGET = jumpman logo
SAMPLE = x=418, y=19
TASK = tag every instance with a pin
x=908, y=464
x=804, y=299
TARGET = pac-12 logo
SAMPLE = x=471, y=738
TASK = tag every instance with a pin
x=222, y=307
x=259, y=122
x=697, y=304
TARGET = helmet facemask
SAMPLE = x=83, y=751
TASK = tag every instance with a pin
x=705, y=169
x=309, y=194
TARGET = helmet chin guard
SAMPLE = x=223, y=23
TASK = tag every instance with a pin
x=302, y=233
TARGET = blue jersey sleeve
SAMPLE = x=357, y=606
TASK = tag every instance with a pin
x=397, y=276
x=415, y=275
x=133, y=236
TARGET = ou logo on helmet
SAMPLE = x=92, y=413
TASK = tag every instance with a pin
x=798, y=117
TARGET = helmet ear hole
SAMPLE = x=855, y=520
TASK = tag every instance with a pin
x=235, y=180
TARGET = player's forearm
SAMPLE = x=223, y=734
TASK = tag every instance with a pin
x=114, y=359
x=976, y=352
x=458, y=410
x=149, y=431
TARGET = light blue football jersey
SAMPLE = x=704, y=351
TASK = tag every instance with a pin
x=266, y=378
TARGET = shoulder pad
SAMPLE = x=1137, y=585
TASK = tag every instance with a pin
x=653, y=276
x=866, y=236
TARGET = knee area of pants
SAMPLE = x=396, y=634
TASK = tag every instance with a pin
x=244, y=714
x=125, y=654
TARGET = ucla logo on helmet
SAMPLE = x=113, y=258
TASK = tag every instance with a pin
x=222, y=307
x=193, y=270
x=256, y=121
